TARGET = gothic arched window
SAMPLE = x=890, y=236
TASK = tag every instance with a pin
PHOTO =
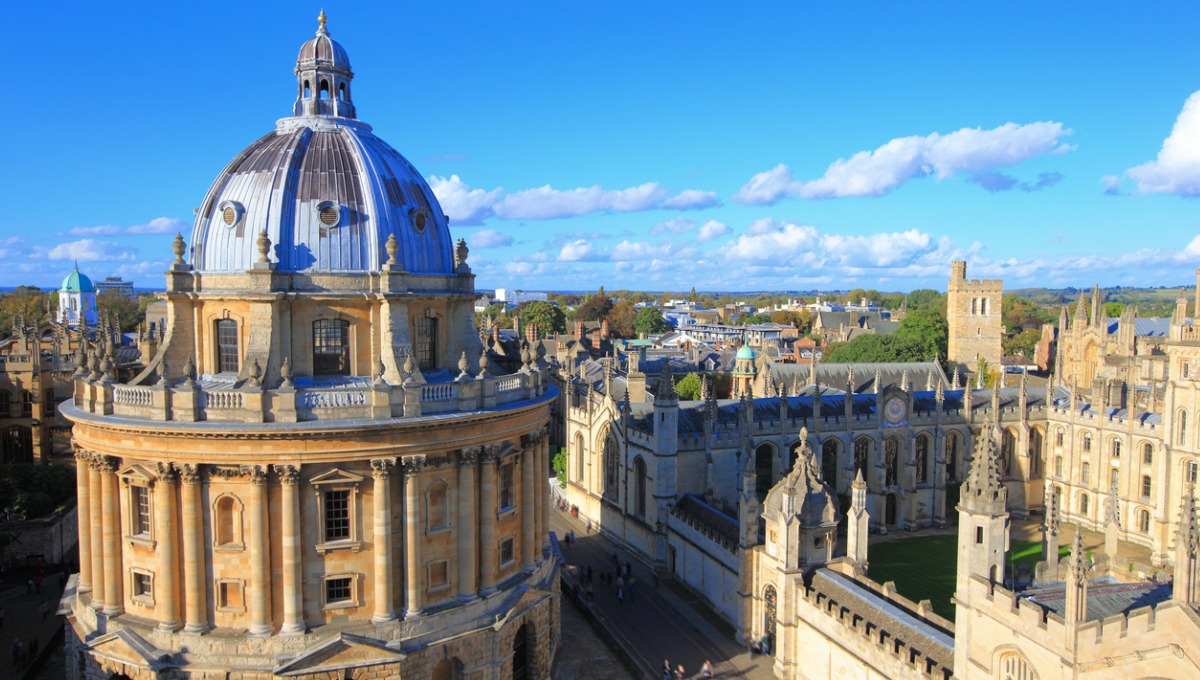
x=922, y=459
x=862, y=455
x=639, y=486
x=829, y=462
x=612, y=467
x=891, y=457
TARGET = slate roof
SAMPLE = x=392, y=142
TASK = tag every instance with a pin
x=1157, y=327
x=1105, y=597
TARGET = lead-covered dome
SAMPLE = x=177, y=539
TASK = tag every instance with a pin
x=76, y=282
x=326, y=190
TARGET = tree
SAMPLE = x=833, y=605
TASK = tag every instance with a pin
x=559, y=463
x=29, y=301
x=125, y=310
x=692, y=295
x=1023, y=343
x=927, y=328
x=649, y=320
x=1113, y=309
x=688, y=388
x=547, y=317
x=621, y=318
x=879, y=348
x=596, y=308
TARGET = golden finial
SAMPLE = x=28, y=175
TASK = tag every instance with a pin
x=321, y=19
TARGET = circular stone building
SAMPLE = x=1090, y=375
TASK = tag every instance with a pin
x=315, y=476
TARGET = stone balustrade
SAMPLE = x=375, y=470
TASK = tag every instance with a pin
x=184, y=402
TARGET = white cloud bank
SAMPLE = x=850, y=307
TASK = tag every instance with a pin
x=466, y=206
x=92, y=250
x=1176, y=170
x=875, y=173
x=489, y=238
x=158, y=225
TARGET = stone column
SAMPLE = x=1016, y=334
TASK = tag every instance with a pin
x=167, y=586
x=83, y=514
x=96, y=530
x=381, y=470
x=528, y=513
x=192, y=523
x=465, y=524
x=412, y=533
x=293, y=583
x=260, y=553
x=110, y=517
x=543, y=490
x=487, y=520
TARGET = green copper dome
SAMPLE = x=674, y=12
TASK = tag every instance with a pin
x=77, y=283
x=745, y=352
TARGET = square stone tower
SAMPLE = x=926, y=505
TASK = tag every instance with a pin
x=973, y=315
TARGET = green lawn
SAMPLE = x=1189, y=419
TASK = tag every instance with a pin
x=924, y=567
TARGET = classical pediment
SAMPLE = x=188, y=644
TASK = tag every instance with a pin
x=129, y=648
x=341, y=652
x=337, y=476
x=137, y=474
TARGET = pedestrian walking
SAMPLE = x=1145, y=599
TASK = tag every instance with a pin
x=706, y=669
x=680, y=674
x=666, y=669
x=620, y=583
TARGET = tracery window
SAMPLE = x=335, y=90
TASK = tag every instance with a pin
x=952, y=456
x=862, y=455
x=764, y=470
x=829, y=462
x=639, y=486
x=891, y=460
x=612, y=467
x=922, y=459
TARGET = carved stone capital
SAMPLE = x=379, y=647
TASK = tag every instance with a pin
x=105, y=464
x=411, y=465
x=381, y=468
x=189, y=473
x=438, y=461
x=256, y=473
x=489, y=453
x=469, y=456
x=166, y=472
x=288, y=474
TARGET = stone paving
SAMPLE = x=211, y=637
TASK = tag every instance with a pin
x=29, y=616
x=660, y=621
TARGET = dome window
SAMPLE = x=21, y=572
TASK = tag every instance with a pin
x=329, y=213
x=418, y=219
x=231, y=212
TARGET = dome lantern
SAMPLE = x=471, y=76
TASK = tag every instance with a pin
x=323, y=77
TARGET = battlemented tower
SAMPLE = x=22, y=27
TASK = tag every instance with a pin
x=973, y=315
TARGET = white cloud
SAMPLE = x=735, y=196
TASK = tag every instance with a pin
x=158, y=225
x=675, y=225
x=769, y=241
x=1176, y=170
x=578, y=251
x=875, y=173
x=466, y=207
x=692, y=199
x=91, y=250
x=548, y=203
x=490, y=238
x=712, y=229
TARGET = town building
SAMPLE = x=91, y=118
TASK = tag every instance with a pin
x=317, y=473
x=117, y=284
x=973, y=317
x=77, y=300
x=732, y=497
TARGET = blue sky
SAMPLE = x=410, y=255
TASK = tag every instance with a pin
x=644, y=145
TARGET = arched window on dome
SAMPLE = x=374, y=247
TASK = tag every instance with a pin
x=324, y=89
x=307, y=90
x=341, y=92
x=227, y=346
x=331, y=347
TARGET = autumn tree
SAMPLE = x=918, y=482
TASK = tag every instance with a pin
x=621, y=318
